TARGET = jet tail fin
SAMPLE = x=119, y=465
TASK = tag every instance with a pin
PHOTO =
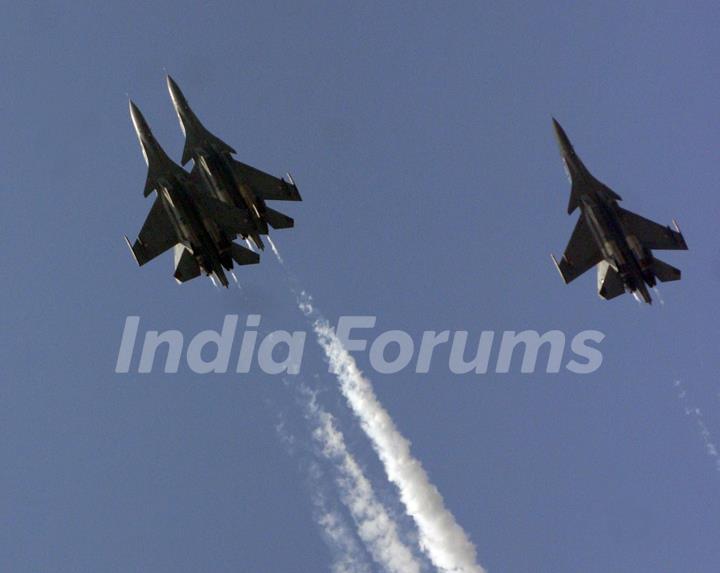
x=278, y=220
x=664, y=272
x=186, y=267
x=243, y=256
x=610, y=284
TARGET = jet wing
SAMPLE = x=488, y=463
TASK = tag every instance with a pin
x=652, y=235
x=156, y=236
x=266, y=186
x=231, y=220
x=581, y=253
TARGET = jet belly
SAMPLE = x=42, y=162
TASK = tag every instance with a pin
x=178, y=217
x=218, y=187
x=218, y=174
x=644, y=258
x=221, y=177
x=601, y=230
x=191, y=227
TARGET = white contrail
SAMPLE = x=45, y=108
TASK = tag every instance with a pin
x=442, y=539
x=274, y=250
x=711, y=448
x=659, y=295
x=348, y=556
x=440, y=536
x=377, y=530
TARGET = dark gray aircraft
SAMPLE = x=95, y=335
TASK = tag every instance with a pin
x=228, y=179
x=200, y=227
x=618, y=241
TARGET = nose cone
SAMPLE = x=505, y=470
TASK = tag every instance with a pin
x=142, y=129
x=151, y=149
x=180, y=104
x=566, y=148
x=175, y=93
x=141, y=126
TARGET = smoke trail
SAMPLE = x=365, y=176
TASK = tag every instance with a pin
x=441, y=538
x=275, y=251
x=348, y=556
x=711, y=448
x=657, y=292
x=375, y=527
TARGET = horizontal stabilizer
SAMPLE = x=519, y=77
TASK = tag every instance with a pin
x=664, y=272
x=186, y=267
x=243, y=256
x=278, y=220
x=610, y=284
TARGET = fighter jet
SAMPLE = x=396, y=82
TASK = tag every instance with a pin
x=228, y=179
x=618, y=241
x=200, y=227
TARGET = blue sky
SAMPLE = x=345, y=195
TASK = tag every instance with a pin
x=420, y=138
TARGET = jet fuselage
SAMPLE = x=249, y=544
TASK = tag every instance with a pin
x=598, y=206
x=209, y=247
x=622, y=251
x=197, y=232
x=218, y=175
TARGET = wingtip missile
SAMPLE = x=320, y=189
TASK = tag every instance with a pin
x=683, y=243
x=129, y=245
x=557, y=265
x=291, y=182
x=137, y=251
